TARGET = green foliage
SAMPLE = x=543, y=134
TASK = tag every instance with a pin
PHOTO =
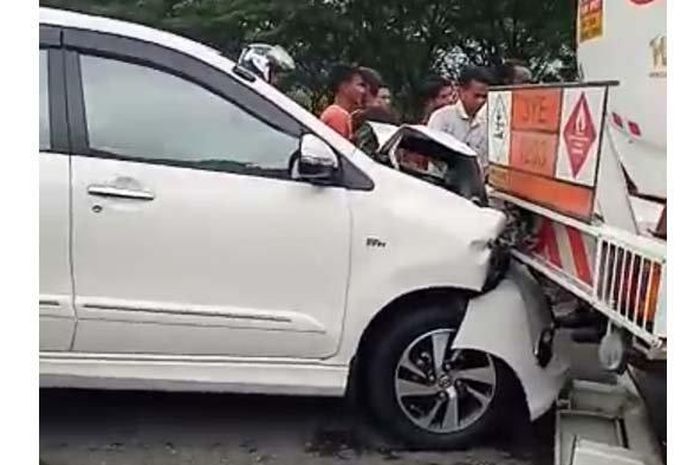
x=404, y=39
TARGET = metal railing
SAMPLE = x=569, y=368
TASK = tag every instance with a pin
x=629, y=279
x=627, y=284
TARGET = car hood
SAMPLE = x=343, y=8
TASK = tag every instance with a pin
x=435, y=238
x=435, y=204
x=389, y=136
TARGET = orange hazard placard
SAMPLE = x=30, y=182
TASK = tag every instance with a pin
x=536, y=109
x=534, y=152
x=569, y=199
x=549, y=152
x=590, y=20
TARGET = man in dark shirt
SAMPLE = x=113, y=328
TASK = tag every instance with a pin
x=375, y=109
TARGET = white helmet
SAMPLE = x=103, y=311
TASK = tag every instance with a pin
x=264, y=59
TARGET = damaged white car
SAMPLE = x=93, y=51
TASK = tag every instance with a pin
x=201, y=231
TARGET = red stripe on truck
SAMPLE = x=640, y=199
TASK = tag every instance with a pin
x=634, y=129
x=617, y=119
x=578, y=250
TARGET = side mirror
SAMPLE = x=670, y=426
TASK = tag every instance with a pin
x=317, y=161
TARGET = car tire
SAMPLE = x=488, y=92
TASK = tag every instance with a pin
x=429, y=407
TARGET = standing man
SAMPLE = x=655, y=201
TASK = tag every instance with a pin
x=384, y=96
x=522, y=75
x=269, y=62
x=375, y=109
x=436, y=93
x=349, y=91
x=511, y=73
x=373, y=82
x=464, y=119
x=378, y=95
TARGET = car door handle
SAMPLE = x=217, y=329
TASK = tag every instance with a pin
x=120, y=193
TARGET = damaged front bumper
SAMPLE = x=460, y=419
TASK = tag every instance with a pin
x=513, y=322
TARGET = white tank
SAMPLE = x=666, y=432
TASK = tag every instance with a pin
x=625, y=41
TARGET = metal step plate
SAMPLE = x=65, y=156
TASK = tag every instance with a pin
x=595, y=453
x=603, y=424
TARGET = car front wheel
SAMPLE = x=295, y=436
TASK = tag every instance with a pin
x=429, y=395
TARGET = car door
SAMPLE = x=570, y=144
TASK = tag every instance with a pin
x=56, y=314
x=189, y=235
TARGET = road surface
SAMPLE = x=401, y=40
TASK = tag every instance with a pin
x=143, y=428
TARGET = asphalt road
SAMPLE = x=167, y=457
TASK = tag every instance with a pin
x=652, y=387
x=144, y=428
x=140, y=428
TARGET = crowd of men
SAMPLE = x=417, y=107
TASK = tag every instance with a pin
x=360, y=96
x=457, y=108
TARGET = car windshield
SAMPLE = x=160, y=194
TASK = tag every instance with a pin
x=421, y=156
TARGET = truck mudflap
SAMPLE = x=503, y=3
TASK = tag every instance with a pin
x=514, y=323
x=604, y=424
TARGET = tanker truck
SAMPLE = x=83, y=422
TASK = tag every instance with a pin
x=581, y=169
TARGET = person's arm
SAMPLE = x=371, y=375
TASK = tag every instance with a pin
x=479, y=142
x=366, y=140
x=337, y=120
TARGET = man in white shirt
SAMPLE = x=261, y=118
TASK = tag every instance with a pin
x=466, y=118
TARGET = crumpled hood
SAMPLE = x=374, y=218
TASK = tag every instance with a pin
x=432, y=234
x=433, y=204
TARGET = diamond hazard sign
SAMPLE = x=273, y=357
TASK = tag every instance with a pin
x=500, y=119
x=499, y=108
x=579, y=134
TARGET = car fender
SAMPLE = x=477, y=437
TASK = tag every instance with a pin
x=507, y=322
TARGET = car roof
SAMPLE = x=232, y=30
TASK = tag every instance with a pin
x=63, y=18
x=209, y=55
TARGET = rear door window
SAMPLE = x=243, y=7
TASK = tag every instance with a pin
x=141, y=113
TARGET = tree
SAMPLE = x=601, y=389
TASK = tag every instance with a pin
x=404, y=40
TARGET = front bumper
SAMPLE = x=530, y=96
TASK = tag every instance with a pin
x=510, y=322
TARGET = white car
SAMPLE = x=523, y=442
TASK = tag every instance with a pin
x=201, y=231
